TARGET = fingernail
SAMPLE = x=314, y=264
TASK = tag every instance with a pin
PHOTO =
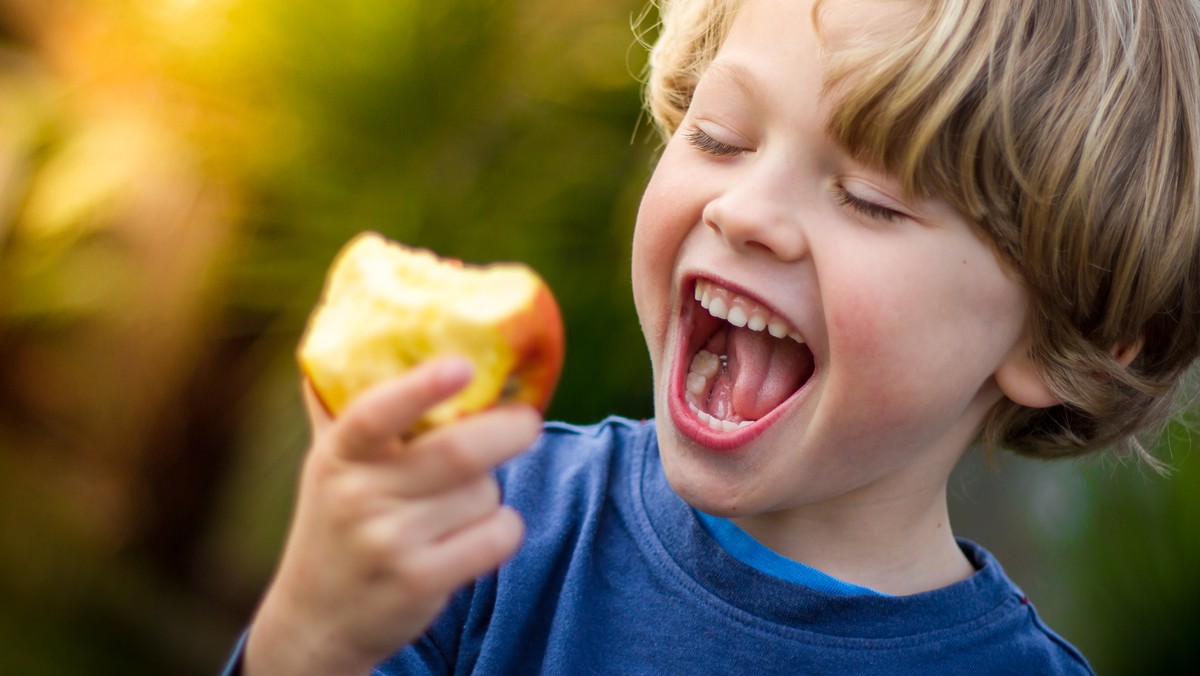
x=455, y=370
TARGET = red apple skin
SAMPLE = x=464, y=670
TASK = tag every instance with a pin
x=538, y=339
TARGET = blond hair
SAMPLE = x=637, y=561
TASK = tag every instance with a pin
x=1069, y=133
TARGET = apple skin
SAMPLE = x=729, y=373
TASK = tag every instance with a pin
x=387, y=307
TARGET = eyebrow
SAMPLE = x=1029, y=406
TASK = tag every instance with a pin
x=734, y=74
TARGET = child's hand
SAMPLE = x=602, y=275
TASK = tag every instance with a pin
x=386, y=530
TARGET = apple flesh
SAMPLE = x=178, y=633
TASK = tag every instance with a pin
x=387, y=307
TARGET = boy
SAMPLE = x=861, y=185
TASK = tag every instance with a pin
x=879, y=231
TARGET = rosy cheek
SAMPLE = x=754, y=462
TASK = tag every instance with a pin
x=660, y=213
x=653, y=259
x=871, y=357
x=861, y=328
x=647, y=258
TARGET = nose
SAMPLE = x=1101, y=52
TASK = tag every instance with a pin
x=759, y=213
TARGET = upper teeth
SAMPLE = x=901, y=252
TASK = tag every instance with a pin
x=741, y=312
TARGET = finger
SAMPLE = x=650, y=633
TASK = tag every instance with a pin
x=472, y=551
x=433, y=518
x=458, y=453
x=374, y=421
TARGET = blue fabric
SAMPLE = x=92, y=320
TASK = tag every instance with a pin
x=743, y=547
x=234, y=666
x=618, y=576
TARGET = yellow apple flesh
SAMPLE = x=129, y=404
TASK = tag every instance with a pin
x=387, y=307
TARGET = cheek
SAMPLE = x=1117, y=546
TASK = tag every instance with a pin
x=654, y=251
x=869, y=321
x=872, y=356
x=670, y=208
x=649, y=239
x=921, y=340
x=666, y=212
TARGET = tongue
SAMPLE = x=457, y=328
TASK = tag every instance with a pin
x=764, y=370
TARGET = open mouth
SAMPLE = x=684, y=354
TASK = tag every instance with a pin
x=740, y=362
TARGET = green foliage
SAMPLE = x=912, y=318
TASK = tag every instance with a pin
x=1133, y=574
x=480, y=130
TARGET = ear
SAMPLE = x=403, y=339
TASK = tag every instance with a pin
x=1125, y=354
x=1021, y=381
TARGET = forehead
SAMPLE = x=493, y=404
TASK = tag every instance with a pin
x=831, y=27
x=769, y=40
x=847, y=24
x=794, y=43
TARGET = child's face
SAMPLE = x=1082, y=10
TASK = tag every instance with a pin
x=906, y=317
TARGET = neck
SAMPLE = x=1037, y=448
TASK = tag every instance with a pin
x=896, y=546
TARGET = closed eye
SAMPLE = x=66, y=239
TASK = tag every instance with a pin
x=701, y=140
x=865, y=207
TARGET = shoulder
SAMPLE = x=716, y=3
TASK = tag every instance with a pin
x=1018, y=639
x=612, y=433
x=573, y=457
x=574, y=474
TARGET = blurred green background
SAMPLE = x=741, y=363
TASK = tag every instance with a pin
x=175, y=177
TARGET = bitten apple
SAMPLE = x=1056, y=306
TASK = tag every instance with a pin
x=387, y=307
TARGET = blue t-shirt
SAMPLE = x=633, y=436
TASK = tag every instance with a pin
x=618, y=576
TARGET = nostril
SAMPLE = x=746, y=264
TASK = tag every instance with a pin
x=755, y=225
x=711, y=222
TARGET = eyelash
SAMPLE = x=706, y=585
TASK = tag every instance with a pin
x=871, y=209
x=702, y=141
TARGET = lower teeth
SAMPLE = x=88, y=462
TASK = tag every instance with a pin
x=716, y=424
x=705, y=366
